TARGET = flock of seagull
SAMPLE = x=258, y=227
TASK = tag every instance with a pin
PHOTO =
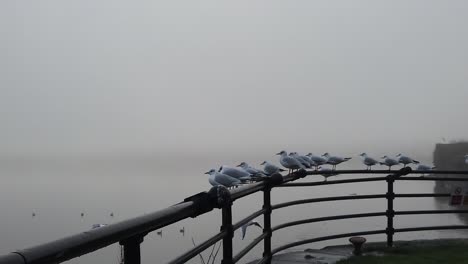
x=242, y=173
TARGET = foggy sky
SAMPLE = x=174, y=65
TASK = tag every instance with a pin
x=150, y=76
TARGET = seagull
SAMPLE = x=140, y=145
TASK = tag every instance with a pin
x=334, y=160
x=305, y=161
x=368, y=161
x=98, y=226
x=317, y=160
x=217, y=179
x=237, y=173
x=387, y=161
x=270, y=168
x=405, y=160
x=422, y=167
x=251, y=170
x=244, y=227
x=289, y=162
x=326, y=175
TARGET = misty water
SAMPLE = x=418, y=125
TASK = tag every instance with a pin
x=58, y=190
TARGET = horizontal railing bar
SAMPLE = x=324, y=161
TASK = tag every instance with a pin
x=12, y=258
x=327, y=218
x=421, y=195
x=426, y=178
x=89, y=241
x=245, y=190
x=249, y=247
x=426, y=228
x=418, y=212
x=248, y=218
x=330, y=182
x=315, y=172
x=327, y=199
x=318, y=239
x=200, y=248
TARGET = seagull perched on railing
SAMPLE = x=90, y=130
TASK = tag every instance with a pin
x=368, y=161
x=217, y=179
x=269, y=168
x=289, y=162
x=237, y=173
x=249, y=169
x=387, y=161
x=405, y=160
x=317, y=160
x=305, y=161
x=334, y=160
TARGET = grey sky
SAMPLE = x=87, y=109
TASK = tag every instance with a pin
x=118, y=76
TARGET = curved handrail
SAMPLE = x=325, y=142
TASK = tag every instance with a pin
x=328, y=199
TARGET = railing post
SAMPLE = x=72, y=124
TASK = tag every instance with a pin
x=267, y=223
x=132, y=250
x=227, y=226
x=390, y=212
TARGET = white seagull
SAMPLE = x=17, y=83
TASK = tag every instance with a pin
x=270, y=168
x=217, y=179
x=305, y=161
x=422, y=167
x=237, y=173
x=327, y=174
x=387, y=161
x=249, y=169
x=405, y=160
x=244, y=227
x=334, y=160
x=317, y=160
x=289, y=162
x=368, y=161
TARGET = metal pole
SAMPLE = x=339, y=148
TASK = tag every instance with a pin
x=132, y=250
x=267, y=223
x=227, y=226
x=390, y=212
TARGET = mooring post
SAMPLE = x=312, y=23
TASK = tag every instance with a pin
x=390, y=212
x=267, y=223
x=131, y=248
x=227, y=226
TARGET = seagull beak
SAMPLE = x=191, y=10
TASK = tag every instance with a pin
x=278, y=153
x=238, y=165
x=263, y=163
x=207, y=172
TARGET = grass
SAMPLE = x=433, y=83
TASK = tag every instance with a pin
x=447, y=253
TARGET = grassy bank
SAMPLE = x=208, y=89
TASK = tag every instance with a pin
x=444, y=252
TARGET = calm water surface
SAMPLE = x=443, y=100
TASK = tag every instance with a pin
x=59, y=190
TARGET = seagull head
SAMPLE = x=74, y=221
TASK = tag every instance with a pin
x=309, y=154
x=363, y=154
x=210, y=171
x=325, y=154
x=242, y=164
x=399, y=154
x=263, y=163
x=281, y=152
x=384, y=157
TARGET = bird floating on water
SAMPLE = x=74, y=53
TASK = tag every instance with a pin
x=326, y=175
x=387, y=161
x=244, y=227
x=368, y=161
x=405, y=160
x=334, y=160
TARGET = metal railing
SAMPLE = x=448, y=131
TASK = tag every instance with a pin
x=130, y=233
